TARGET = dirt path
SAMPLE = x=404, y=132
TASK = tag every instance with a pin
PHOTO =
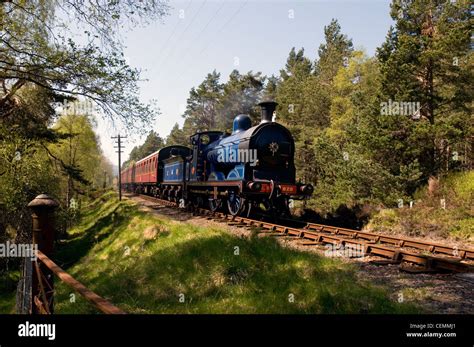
x=436, y=293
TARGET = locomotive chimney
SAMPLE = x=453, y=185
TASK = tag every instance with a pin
x=267, y=110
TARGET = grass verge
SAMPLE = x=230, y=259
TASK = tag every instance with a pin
x=8, y=283
x=148, y=264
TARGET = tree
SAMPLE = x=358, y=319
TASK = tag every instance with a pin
x=305, y=94
x=202, y=104
x=270, y=90
x=177, y=136
x=426, y=59
x=333, y=53
x=37, y=49
x=43, y=63
x=153, y=142
x=78, y=158
x=290, y=89
x=240, y=95
x=355, y=103
x=349, y=152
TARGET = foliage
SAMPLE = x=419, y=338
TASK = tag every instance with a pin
x=240, y=95
x=177, y=136
x=81, y=150
x=144, y=263
x=427, y=58
x=213, y=105
x=202, y=104
x=439, y=213
x=38, y=47
x=53, y=53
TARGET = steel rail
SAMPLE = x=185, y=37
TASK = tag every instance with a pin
x=432, y=247
x=370, y=243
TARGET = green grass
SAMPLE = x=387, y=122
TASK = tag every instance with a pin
x=8, y=282
x=146, y=264
x=428, y=218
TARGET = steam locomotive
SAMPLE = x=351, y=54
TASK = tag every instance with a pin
x=251, y=168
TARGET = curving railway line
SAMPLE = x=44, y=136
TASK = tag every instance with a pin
x=410, y=254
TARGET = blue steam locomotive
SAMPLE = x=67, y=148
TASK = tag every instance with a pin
x=252, y=168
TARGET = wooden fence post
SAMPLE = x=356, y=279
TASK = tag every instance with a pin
x=42, y=208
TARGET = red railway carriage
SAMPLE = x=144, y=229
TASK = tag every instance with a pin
x=146, y=175
x=146, y=169
x=128, y=177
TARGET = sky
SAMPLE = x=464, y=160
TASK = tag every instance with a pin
x=199, y=36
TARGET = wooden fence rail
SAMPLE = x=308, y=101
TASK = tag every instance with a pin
x=99, y=302
x=43, y=268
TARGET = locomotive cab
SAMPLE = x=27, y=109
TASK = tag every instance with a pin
x=197, y=166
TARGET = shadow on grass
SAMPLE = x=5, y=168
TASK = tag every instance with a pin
x=79, y=245
x=224, y=274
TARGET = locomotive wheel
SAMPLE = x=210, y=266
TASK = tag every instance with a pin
x=215, y=204
x=235, y=203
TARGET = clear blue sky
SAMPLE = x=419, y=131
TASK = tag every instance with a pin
x=256, y=35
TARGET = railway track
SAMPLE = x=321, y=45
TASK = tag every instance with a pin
x=410, y=254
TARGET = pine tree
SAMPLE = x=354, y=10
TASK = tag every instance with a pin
x=305, y=92
x=426, y=59
x=240, y=95
x=202, y=104
x=177, y=136
x=153, y=142
x=333, y=54
x=290, y=89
